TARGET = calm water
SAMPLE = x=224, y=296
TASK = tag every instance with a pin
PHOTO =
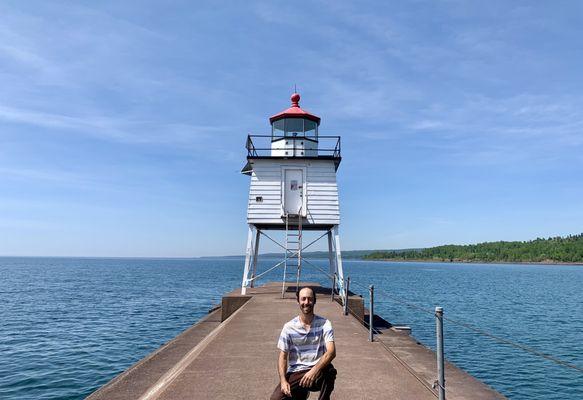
x=70, y=325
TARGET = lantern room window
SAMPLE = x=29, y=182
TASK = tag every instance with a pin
x=293, y=127
x=310, y=129
x=278, y=129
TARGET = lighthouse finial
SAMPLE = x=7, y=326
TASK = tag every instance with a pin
x=295, y=99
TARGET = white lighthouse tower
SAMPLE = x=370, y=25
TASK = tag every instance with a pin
x=294, y=189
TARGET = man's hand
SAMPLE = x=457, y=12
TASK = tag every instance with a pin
x=309, y=378
x=282, y=368
x=285, y=389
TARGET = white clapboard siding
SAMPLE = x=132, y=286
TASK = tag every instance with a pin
x=264, y=203
x=322, y=198
x=260, y=208
x=321, y=191
x=320, y=202
x=275, y=194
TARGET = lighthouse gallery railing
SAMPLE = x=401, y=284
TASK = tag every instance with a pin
x=260, y=146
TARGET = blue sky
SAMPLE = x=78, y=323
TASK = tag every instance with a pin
x=122, y=124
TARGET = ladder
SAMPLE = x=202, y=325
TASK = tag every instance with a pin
x=293, y=248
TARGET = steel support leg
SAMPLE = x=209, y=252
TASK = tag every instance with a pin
x=332, y=269
x=248, y=255
x=255, y=256
x=338, y=256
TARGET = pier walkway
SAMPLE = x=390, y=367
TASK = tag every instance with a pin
x=237, y=359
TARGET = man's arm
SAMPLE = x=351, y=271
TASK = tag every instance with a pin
x=309, y=378
x=282, y=370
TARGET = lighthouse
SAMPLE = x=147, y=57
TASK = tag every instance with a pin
x=293, y=189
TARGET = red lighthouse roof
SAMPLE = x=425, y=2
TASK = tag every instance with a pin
x=295, y=111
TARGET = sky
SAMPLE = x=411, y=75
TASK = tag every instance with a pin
x=123, y=124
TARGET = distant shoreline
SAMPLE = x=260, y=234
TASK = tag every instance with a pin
x=549, y=262
x=274, y=256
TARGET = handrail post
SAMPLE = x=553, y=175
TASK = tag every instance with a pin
x=333, y=287
x=371, y=315
x=440, y=356
x=346, y=286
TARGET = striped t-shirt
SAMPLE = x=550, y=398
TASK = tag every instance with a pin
x=305, y=347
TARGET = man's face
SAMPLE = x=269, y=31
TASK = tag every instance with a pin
x=306, y=301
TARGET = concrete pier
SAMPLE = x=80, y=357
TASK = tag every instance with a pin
x=232, y=354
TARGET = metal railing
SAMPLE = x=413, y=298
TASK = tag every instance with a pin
x=437, y=313
x=260, y=146
x=439, y=385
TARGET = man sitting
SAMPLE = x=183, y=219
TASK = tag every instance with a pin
x=307, y=344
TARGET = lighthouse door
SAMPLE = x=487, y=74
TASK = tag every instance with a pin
x=293, y=193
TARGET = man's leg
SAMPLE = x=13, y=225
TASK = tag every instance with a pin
x=278, y=394
x=298, y=392
x=325, y=383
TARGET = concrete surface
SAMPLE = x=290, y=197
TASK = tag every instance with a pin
x=237, y=359
x=137, y=379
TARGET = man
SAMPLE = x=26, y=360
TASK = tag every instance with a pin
x=307, y=344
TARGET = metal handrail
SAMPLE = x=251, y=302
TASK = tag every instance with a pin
x=253, y=151
x=296, y=137
x=475, y=329
x=250, y=146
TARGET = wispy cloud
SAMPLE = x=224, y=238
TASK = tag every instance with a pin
x=95, y=74
x=85, y=44
x=117, y=129
x=525, y=125
x=108, y=103
x=465, y=91
x=37, y=174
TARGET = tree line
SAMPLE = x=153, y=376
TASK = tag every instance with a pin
x=553, y=249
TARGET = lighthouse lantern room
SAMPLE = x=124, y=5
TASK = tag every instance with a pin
x=293, y=188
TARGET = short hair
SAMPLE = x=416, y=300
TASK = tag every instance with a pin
x=305, y=287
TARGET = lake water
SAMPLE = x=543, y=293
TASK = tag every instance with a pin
x=69, y=325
